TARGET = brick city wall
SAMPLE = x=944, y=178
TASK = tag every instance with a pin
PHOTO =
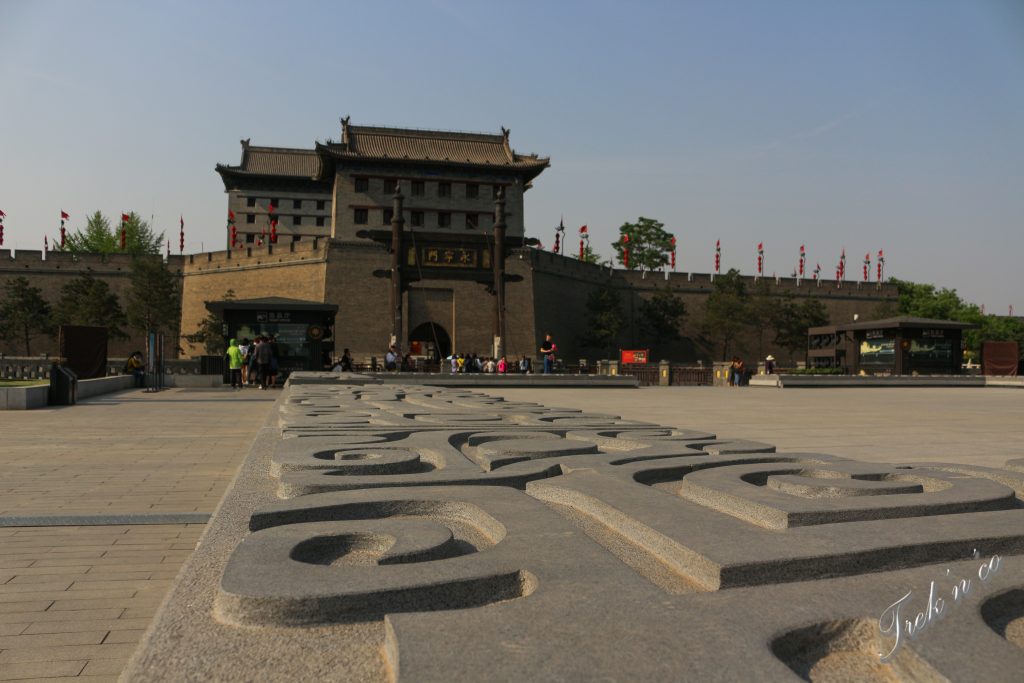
x=295, y=270
x=58, y=270
x=561, y=286
x=550, y=296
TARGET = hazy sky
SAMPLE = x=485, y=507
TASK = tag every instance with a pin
x=868, y=125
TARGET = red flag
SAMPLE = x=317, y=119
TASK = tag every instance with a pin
x=231, y=216
x=583, y=230
x=581, y=249
x=2, y=214
x=273, y=232
x=64, y=215
x=718, y=256
x=625, y=250
x=270, y=208
x=125, y=218
x=673, y=253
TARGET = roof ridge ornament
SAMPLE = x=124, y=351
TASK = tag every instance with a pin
x=344, y=129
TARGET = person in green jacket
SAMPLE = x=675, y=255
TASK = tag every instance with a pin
x=235, y=363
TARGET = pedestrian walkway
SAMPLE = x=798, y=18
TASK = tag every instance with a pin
x=75, y=597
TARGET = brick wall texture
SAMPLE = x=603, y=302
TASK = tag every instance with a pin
x=547, y=293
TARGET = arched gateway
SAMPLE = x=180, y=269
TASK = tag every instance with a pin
x=430, y=341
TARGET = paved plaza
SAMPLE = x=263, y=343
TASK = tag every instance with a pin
x=980, y=426
x=75, y=598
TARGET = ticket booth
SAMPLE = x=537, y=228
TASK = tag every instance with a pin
x=302, y=330
x=894, y=346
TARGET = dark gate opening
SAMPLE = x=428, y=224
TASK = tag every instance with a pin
x=430, y=341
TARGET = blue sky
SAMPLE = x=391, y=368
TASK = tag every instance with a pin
x=869, y=125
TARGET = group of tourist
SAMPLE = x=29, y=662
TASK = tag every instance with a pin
x=739, y=376
x=472, y=363
x=253, y=363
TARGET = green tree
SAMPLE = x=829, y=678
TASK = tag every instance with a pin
x=604, y=318
x=926, y=301
x=96, y=238
x=210, y=332
x=589, y=255
x=725, y=309
x=88, y=301
x=649, y=244
x=24, y=312
x=154, y=302
x=761, y=310
x=100, y=237
x=662, y=315
x=793, y=319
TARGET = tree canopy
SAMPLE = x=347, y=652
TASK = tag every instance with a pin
x=725, y=309
x=88, y=301
x=589, y=255
x=662, y=315
x=928, y=301
x=210, y=331
x=604, y=318
x=100, y=237
x=24, y=312
x=649, y=244
x=792, y=319
x=154, y=302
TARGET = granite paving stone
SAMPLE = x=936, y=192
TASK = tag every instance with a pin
x=396, y=532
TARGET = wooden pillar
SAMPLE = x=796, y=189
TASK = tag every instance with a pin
x=498, y=263
x=397, y=221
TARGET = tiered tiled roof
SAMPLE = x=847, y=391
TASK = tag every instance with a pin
x=374, y=143
x=276, y=161
x=477, y=149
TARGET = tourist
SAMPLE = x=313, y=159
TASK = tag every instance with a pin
x=454, y=359
x=462, y=362
x=524, y=365
x=547, y=350
x=769, y=365
x=253, y=368
x=391, y=358
x=136, y=367
x=263, y=356
x=245, y=349
x=490, y=366
x=502, y=366
x=734, y=372
x=275, y=360
x=235, y=363
x=345, y=364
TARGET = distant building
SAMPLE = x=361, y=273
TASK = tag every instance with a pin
x=894, y=346
x=338, y=189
